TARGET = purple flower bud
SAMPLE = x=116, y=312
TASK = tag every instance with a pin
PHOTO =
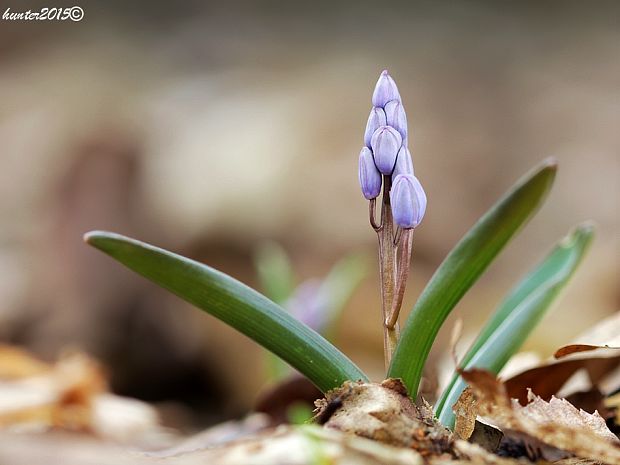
x=385, y=90
x=396, y=117
x=408, y=201
x=385, y=143
x=376, y=119
x=404, y=164
x=370, y=178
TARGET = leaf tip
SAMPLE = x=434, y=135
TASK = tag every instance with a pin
x=581, y=234
x=97, y=238
x=587, y=227
x=91, y=236
x=550, y=163
x=545, y=172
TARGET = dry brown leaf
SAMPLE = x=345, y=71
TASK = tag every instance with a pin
x=16, y=363
x=465, y=412
x=477, y=455
x=548, y=379
x=556, y=423
x=467, y=427
x=486, y=436
x=591, y=400
x=576, y=348
x=70, y=395
x=59, y=396
x=561, y=412
x=383, y=412
x=287, y=445
x=595, y=351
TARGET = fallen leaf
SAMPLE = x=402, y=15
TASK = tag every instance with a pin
x=596, y=351
x=477, y=455
x=305, y=445
x=69, y=395
x=591, y=400
x=465, y=412
x=383, y=412
x=16, y=363
x=556, y=423
x=576, y=348
x=486, y=436
x=468, y=428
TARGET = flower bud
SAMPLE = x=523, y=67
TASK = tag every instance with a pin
x=370, y=178
x=376, y=119
x=396, y=117
x=385, y=90
x=404, y=164
x=408, y=201
x=385, y=143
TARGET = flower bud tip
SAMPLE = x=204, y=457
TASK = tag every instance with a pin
x=385, y=90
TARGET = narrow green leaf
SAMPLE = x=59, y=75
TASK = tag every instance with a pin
x=235, y=304
x=518, y=315
x=339, y=285
x=331, y=297
x=462, y=267
x=275, y=272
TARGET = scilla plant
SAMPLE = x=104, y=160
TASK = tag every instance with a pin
x=386, y=169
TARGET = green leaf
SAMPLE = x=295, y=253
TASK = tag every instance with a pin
x=339, y=285
x=518, y=315
x=235, y=304
x=462, y=267
x=332, y=295
x=275, y=272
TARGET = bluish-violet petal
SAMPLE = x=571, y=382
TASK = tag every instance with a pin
x=396, y=117
x=404, y=164
x=376, y=119
x=408, y=201
x=369, y=176
x=385, y=90
x=385, y=143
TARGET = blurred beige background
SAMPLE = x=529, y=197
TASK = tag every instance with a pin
x=209, y=127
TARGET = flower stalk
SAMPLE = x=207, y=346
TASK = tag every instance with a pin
x=403, y=266
x=387, y=272
x=386, y=168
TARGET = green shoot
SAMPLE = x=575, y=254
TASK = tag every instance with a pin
x=462, y=267
x=518, y=315
x=237, y=305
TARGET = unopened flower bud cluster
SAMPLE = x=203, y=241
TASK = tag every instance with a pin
x=386, y=154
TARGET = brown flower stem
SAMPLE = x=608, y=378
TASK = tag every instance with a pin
x=387, y=271
x=404, y=261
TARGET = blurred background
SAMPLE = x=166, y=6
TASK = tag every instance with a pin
x=209, y=128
